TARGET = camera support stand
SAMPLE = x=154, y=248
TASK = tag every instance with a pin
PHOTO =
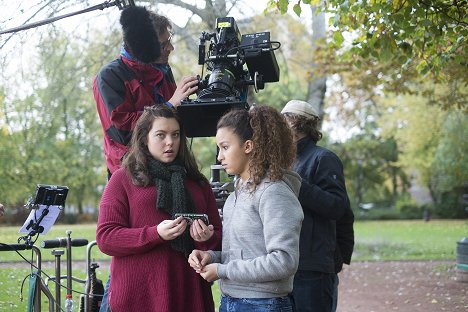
x=35, y=227
x=45, y=207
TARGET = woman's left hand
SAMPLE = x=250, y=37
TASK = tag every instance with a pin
x=200, y=232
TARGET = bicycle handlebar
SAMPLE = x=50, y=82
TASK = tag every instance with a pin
x=62, y=242
x=13, y=247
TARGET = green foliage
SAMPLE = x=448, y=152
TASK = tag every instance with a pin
x=371, y=170
x=53, y=134
x=450, y=205
x=204, y=150
x=380, y=213
x=403, y=207
x=407, y=208
x=398, y=44
x=293, y=58
x=432, y=145
x=450, y=168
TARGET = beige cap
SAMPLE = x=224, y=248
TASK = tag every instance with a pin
x=301, y=108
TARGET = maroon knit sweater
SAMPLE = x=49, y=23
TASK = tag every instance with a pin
x=147, y=274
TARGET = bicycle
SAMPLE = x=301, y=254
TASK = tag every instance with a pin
x=89, y=300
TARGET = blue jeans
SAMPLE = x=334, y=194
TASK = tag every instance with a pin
x=104, y=305
x=278, y=304
x=313, y=291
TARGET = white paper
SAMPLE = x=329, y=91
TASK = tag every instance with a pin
x=46, y=222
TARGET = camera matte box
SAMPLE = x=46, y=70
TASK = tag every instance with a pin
x=200, y=118
x=259, y=56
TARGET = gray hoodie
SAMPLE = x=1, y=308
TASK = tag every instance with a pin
x=261, y=229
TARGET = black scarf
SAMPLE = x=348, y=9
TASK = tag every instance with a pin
x=173, y=197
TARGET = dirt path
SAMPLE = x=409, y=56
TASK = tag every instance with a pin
x=402, y=286
x=409, y=286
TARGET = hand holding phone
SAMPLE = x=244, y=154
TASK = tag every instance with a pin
x=190, y=217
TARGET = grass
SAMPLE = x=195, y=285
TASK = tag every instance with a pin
x=10, y=235
x=375, y=241
x=408, y=240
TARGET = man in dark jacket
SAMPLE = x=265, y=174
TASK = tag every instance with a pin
x=140, y=77
x=327, y=236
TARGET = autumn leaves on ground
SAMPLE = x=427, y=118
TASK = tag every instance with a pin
x=410, y=286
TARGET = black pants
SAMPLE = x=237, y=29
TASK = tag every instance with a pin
x=313, y=291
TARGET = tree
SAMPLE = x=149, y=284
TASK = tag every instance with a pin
x=450, y=168
x=416, y=126
x=369, y=66
x=53, y=135
x=397, y=44
x=51, y=132
x=372, y=169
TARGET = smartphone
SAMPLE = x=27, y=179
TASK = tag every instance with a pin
x=193, y=216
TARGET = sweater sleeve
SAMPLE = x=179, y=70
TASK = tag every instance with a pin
x=114, y=235
x=281, y=217
x=325, y=194
x=214, y=243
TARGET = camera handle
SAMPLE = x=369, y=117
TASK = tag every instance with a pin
x=201, y=46
x=258, y=82
x=221, y=190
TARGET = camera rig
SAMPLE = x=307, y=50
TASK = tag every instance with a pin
x=45, y=207
x=227, y=85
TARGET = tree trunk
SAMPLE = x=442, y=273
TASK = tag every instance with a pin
x=317, y=85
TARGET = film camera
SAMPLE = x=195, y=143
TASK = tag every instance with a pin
x=227, y=85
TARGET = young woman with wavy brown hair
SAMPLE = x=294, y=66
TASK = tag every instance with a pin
x=137, y=224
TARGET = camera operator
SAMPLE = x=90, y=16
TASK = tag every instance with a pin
x=140, y=77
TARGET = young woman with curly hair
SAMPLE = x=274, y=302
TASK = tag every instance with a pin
x=262, y=217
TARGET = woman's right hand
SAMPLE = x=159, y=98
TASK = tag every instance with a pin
x=198, y=259
x=171, y=229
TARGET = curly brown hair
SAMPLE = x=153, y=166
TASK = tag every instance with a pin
x=160, y=23
x=137, y=159
x=304, y=125
x=273, y=147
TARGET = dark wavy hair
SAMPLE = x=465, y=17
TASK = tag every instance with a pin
x=160, y=23
x=137, y=159
x=273, y=148
x=307, y=126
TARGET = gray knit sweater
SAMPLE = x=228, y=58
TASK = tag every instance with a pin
x=260, y=252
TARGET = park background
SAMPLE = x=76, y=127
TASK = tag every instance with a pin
x=391, y=77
